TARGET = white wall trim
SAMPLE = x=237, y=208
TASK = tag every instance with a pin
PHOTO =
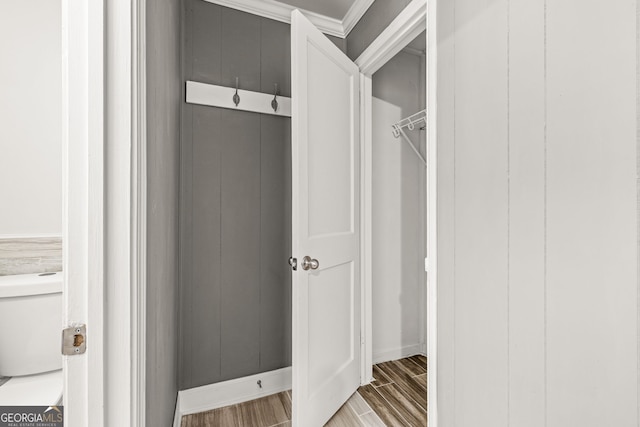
x=398, y=353
x=366, y=226
x=354, y=14
x=407, y=26
x=227, y=393
x=432, y=212
x=282, y=12
x=83, y=220
x=124, y=176
x=139, y=215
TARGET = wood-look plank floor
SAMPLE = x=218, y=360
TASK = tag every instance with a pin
x=398, y=394
x=397, y=398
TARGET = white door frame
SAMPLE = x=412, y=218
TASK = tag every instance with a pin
x=83, y=206
x=104, y=219
x=404, y=28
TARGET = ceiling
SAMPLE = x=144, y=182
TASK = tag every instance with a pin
x=332, y=8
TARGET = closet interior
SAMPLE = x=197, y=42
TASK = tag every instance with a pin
x=235, y=299
x=235, y=201
x=399, y=205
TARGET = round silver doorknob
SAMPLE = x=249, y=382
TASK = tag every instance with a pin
x=310, y=264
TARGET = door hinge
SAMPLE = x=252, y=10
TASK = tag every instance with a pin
x=426, y=264
x=74, y=340
x=293, y=262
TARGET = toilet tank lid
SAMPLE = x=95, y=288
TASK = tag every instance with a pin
x=30, y=284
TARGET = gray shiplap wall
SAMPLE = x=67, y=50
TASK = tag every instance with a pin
x=235, y=209
x=538, y=219
x=163, y=138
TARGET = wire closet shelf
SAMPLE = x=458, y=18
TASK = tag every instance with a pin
x=419, y=118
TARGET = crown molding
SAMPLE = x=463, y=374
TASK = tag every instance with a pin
x=354, y=14
x=282, y=12
x=404, y=28
x=279, y=11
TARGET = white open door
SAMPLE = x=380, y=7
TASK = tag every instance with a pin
x=326, y=225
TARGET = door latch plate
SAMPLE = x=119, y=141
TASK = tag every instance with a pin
x=74, y=340
x=293, y=262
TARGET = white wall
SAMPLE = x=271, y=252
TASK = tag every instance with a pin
x=398, y=234
x=538, y=235
x=30, y=118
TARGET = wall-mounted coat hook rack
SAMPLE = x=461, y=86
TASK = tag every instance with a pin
x=236, y=97
x=225, y=97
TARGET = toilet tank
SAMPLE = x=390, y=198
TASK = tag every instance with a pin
x=30, y=323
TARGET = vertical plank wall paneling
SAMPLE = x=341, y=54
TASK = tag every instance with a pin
x=239, y=306
x=276, y=57
x=538, y=294
x=199, y=312
x=163, y=173
x=235, y=281
x=240, y=140
x=526, y=224
x=592, y=358
x=275, y=229
x=481, y=203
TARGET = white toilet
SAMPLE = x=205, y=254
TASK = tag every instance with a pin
x=30, y=330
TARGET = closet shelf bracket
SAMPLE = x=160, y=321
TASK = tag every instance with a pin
x=419, y=118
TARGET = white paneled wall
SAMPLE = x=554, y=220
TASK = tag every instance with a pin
x=538, y=235
x=526, y=213
x=591, y=210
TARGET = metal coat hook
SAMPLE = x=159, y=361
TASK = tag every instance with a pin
x=274, y=101
x=236, y=97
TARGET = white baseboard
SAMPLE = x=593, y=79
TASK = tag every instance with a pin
x=397, y=353
x=227, y=393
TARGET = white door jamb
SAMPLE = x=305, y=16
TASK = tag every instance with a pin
x=407, y=26
x=125, y=179
x=83, y=206
x=104, y=220
x=432, y=213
